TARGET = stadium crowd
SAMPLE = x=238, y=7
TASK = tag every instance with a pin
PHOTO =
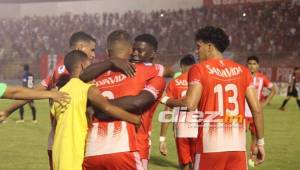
x=269, y=28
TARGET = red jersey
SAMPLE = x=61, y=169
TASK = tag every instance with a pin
x=106, y=137
x=156, y=86
x=177, y=89
x=224, y=84
x=52, y=79
x=260, y=81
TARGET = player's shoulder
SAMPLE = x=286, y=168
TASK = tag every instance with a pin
x=260, y=74
x=232, y=63
x=148, y=65
x=183, y=76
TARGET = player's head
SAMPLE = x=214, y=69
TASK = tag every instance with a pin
x=186, y=62
x=83, y=42
x=211, y=41
x=75, y=61
x=296, y=70
x=145, y=47
x=253, y=63
x=26, y=67
x=119, y=44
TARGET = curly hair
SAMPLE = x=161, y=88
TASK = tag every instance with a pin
x=214, y=35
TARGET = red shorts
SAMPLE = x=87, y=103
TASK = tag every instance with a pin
x=186, y=150
x=115, y=161
x=251, y=125
x=143, y=145
x=221, y=161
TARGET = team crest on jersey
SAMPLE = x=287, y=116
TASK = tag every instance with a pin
x=61, y=69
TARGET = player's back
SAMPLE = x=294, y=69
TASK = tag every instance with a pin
x=177, y=89
x=224, y=84
x=71, y=127
x=117, y=136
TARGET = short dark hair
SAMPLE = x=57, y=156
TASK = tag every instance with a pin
x=26, y=67
x=148, y=38
x=187, y=60
x=73, y=58
x=214, y=35
x=253, y=57
x=118, y=35
x=80, y=36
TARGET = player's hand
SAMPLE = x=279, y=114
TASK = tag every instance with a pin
x=127, y=67
x=163, y=148
x=138, y=123
x=3, y=116
x=260, y=157
x=60, y=97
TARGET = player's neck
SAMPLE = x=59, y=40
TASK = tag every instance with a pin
x=75, y=75
x=216, y=55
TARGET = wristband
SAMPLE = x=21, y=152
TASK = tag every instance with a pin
x=162, y=139
x=164, y=100
x=260, y=142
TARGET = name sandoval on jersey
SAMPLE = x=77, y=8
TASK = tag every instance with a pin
x=226, y=72
x=181, y=82
x=111, y=80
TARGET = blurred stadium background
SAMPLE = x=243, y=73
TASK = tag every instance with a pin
x=36, y=32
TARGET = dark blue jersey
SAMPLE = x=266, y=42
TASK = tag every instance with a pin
x=28, y=79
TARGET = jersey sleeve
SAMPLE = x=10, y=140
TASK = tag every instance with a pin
x=3, y=88
x=160, y=69
x=48, y=81
x=267, y=82
x=170, y=90
x=195, y=75
x=152, y=70
x=156, y=86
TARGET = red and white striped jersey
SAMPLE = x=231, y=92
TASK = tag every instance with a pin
x=260, y=81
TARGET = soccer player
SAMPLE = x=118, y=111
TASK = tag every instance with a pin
x=72, y=124
x=78, y=41
x=218, y=88
x=145, y=50
x=292, y=90
x=112, y=144
x=185, y=132
x=260, y=81
x=27, y=81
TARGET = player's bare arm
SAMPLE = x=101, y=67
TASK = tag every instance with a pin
x=19, y=103
x=270, y=97
x=134, y=104
x=258, y=118
x=163, y=133
x=95, y=97
x=96, y=69
x=18, y=92
x=190, y=101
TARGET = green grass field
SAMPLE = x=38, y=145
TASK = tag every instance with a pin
x=23, y=146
